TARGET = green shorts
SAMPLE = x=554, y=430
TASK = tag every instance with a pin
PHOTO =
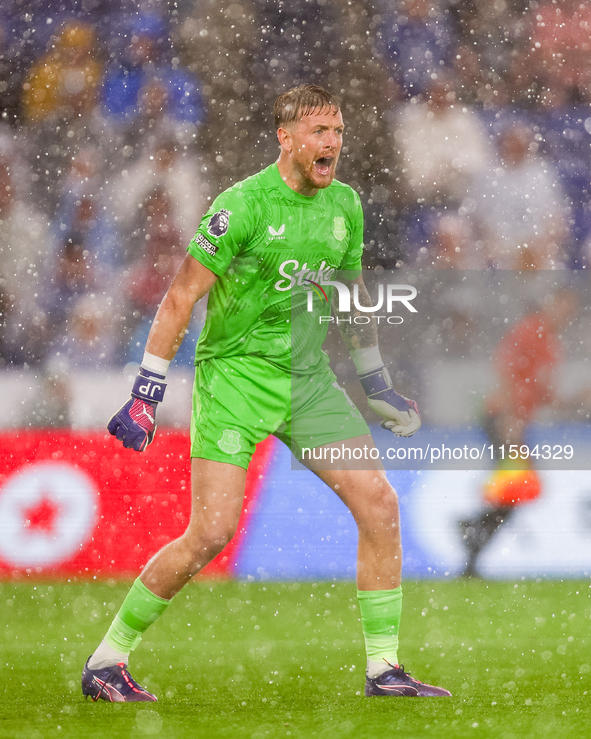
x=239, y=401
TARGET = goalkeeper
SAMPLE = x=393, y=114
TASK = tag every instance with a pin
x=259, y=371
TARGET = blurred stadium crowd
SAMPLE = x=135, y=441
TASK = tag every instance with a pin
x=468, y=138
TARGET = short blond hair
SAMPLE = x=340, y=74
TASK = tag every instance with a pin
x=303, y=100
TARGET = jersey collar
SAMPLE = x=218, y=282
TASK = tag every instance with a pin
x=287, y=191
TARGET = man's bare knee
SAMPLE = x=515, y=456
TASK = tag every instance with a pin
x=207, y=544
x=381, y=510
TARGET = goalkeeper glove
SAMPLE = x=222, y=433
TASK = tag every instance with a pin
x=401, y=415
x=134, y=424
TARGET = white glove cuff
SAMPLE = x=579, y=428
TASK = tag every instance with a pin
x=155, y=364
x=367, y=360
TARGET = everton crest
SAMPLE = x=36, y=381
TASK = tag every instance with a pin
x=339, y=229
x=230, y=441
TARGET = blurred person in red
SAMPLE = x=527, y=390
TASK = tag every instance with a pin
x=526, y=363
x=560, y=46
x=152, y=272
x=158, y=236
x=154, y=256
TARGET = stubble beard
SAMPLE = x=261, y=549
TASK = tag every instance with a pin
x=306, y=172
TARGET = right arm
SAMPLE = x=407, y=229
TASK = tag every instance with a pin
x=224, y=229
x=191, y=283
x=134, y=424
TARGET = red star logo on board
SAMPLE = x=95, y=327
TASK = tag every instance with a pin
x=41, y=516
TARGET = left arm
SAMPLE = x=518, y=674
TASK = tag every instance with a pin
x=357, y=336
x=400, y=415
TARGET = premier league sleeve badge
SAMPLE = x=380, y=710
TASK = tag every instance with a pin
x=219, y=223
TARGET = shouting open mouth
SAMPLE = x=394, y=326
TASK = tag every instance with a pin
x=323, y=165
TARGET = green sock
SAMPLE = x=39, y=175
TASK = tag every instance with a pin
x=139, y=610
x=380, y=621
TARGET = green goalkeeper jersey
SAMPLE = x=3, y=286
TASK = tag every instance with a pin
x=269, y=247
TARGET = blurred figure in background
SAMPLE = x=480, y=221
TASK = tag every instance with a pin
x=526, y=363
x=64, y=82
x=61, y=107
x=25, y=245
x=443, y=147
x=226, y=60
x=146, y=90
x=559, y=46
x=419, y=37
x=246, y=51
x=23, y=230
x=167, y=167
x=5, y=311
x=50, y=405
x=520, y=207
x=491, y=58
x=150, y=273
x=12, y=72
x=87, y=339
x=159, y=251
x=71, y=276
x=453, y=245
x=82, y=209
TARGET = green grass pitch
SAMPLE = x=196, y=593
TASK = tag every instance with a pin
x=264, y=660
